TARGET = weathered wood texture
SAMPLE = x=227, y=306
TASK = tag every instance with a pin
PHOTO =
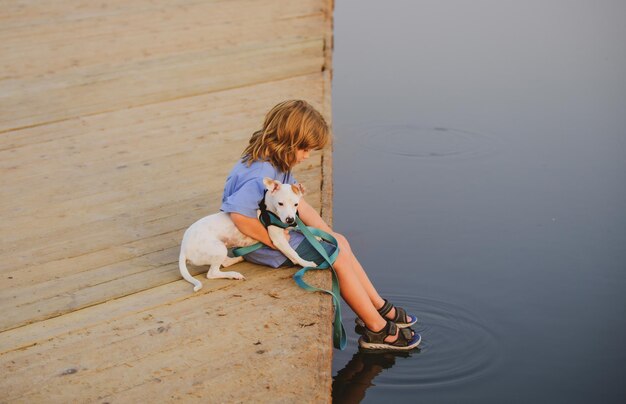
x=119, y=122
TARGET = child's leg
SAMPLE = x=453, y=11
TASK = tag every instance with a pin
x=355, y=294
x=373, y=295
x=344, y=246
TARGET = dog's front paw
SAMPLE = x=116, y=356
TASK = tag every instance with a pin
x=308, y=264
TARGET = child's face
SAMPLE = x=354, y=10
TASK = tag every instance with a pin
x=302, y=155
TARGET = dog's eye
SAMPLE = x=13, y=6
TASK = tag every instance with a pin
x=296, y=204
x=280, y=204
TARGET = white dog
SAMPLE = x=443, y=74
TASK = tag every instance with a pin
x=206, y=242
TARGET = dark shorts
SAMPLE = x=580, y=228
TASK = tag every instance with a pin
x=306, y=251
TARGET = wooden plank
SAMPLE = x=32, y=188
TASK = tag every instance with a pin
x=83, y=288
x=144, y=47
x=71, y=45
x=71, y=288
x=55, y=269
x=99, y=182
x=16, y=14
x=109, y=150
x=42, y=282
x=169, y=120
x=54, y=98
x=170, y=293
x=180, y=344
x=78, y=237
x=138, y=249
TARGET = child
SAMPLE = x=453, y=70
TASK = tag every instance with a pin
x=290, y=131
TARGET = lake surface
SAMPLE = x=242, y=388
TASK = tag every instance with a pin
x=480, y=175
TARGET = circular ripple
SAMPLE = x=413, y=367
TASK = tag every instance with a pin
x=421, y=142
x=455, y=346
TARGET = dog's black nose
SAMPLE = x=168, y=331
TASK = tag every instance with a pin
x=289, y=220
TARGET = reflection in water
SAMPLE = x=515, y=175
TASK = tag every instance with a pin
x=456, y=348
x=456, y=345
x=351, y=382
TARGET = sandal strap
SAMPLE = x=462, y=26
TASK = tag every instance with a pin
x=401, y=316
x=392, y=328
x=406, y=334
x=386, y=308
x=404, y=337
x=378, y=337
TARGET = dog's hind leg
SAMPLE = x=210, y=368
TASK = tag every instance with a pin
x=215, y=273
x=231, y=261
x=221, y=255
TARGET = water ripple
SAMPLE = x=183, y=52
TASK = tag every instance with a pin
x=408, y=140
x=455, y=347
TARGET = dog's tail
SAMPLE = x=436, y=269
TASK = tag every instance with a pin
x=182, y=265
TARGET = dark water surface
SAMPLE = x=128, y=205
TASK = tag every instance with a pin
x=480, y=175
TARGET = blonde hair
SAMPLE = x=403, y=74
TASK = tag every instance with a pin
x=289, y=126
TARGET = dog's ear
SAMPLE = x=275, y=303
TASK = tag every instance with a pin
x=298, y=189
x=271, y=185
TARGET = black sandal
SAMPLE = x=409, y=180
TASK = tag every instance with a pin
x=376, y=339
x=401, y=319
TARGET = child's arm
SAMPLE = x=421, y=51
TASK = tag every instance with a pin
x=252, y=227
x=310, y=217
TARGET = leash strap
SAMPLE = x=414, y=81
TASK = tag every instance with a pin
x=339, y=333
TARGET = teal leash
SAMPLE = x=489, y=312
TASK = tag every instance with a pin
x=339, y=333
x=310, y=233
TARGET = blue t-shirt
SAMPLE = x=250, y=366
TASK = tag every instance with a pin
x=243, y=191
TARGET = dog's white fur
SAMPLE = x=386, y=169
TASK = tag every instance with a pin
x=206, y=241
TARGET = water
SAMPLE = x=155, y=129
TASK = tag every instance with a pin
x=480, y=176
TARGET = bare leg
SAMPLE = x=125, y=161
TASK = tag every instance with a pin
x=373, y=295
x=344, y=246
x=354, y=293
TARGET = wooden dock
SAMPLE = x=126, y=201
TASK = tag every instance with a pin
x=119, y=122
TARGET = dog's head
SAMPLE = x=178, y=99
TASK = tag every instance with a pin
x=283, y=199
